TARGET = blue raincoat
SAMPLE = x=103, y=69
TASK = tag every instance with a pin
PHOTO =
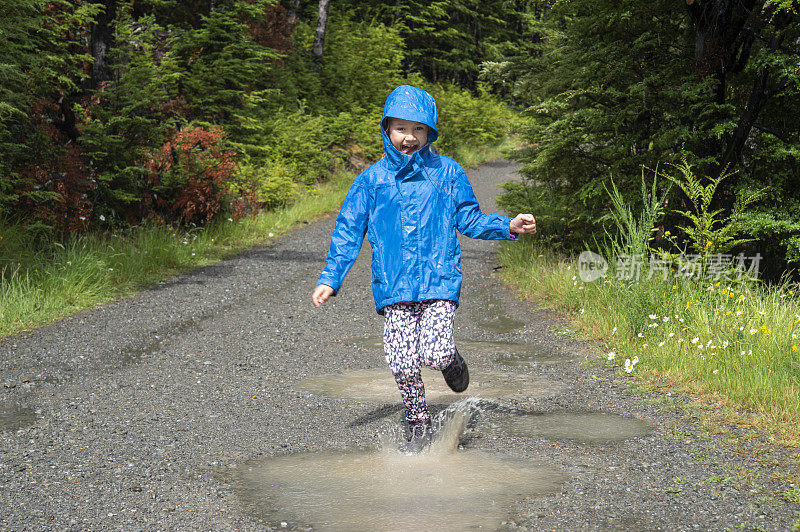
x=410, y=207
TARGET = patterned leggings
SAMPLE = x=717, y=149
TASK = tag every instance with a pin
x=418, y=333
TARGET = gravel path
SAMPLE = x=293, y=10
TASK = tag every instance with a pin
x=134, y=415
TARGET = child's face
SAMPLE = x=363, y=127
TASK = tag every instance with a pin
x=406, y=135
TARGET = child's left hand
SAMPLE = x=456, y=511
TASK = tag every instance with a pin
x=523, y=223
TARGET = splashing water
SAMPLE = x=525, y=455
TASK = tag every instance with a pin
x=441, y=488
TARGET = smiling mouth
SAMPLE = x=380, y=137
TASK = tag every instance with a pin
x=408, y=150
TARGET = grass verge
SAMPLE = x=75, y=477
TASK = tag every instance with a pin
x=57, y=279
x=736, y=346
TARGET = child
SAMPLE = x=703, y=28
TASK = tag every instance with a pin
x=409, y=205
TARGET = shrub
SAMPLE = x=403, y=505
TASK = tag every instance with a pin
x=191, y=174
x=469, y=120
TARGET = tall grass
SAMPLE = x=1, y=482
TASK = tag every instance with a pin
x=738, y=343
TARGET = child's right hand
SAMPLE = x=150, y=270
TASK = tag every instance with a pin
x=321, y=294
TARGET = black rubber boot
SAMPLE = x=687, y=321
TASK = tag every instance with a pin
x=418, y=435
x=456, y=375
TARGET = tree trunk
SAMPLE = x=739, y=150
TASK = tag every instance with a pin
x=758, y=97
x=722, y=44
x=102, y=40
x=291, y=13
x=319, y=37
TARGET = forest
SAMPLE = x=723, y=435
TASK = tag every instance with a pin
x=117, y=114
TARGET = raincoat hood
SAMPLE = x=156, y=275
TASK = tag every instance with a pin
x=409, y=103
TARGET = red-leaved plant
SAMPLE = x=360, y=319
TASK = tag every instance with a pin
x=190, y=174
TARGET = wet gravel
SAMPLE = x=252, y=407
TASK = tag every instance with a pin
x=136, y=414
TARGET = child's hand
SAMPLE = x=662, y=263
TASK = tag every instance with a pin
x=321, y=294
x=523, y=223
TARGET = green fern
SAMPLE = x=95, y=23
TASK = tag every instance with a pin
x=709, y=231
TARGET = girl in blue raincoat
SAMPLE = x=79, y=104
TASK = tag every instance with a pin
x=410, y=205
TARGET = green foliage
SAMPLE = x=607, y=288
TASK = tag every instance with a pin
x=708, y=230
x=610, y=88
x=126, y=119
x=634, y=233
x=469, y=120
x=40, y=60
x=361, y=65
x=216, y=64
x=598, y=104
x=447, y=41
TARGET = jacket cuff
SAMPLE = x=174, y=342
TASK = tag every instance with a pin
x=511, y=236
x=329, y=281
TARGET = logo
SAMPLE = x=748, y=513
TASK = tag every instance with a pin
x=591, y=266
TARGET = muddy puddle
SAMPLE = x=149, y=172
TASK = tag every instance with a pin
x=14, y=417
x=590, y=427
x=493, y=316
x=378, y=386
x=441, y=488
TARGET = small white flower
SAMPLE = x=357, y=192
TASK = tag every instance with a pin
x=639, y=335
x=660, y=344
x=635, y=360
x=192, y=254
x=753, y=331
x=573, y=277
x=644, y=345
x=628, y=365
x=709, y=343
x=680, y=340
x=741, y=354
x=724, y=344
x=83, y=218
x=794, y=337
x=695, y=339
x=700, y=346
x=715, y=371
x=102, y=218
x=680, y=320
x=612, y=355
x=653, y=317
x=741, y=328
x=111, y=269
x=738, y=312
x=271, y=235
x=651, y=325
x=581, y=311
x=230, y=219
x=613, y=330
x=671, y=334
x=666, y=318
